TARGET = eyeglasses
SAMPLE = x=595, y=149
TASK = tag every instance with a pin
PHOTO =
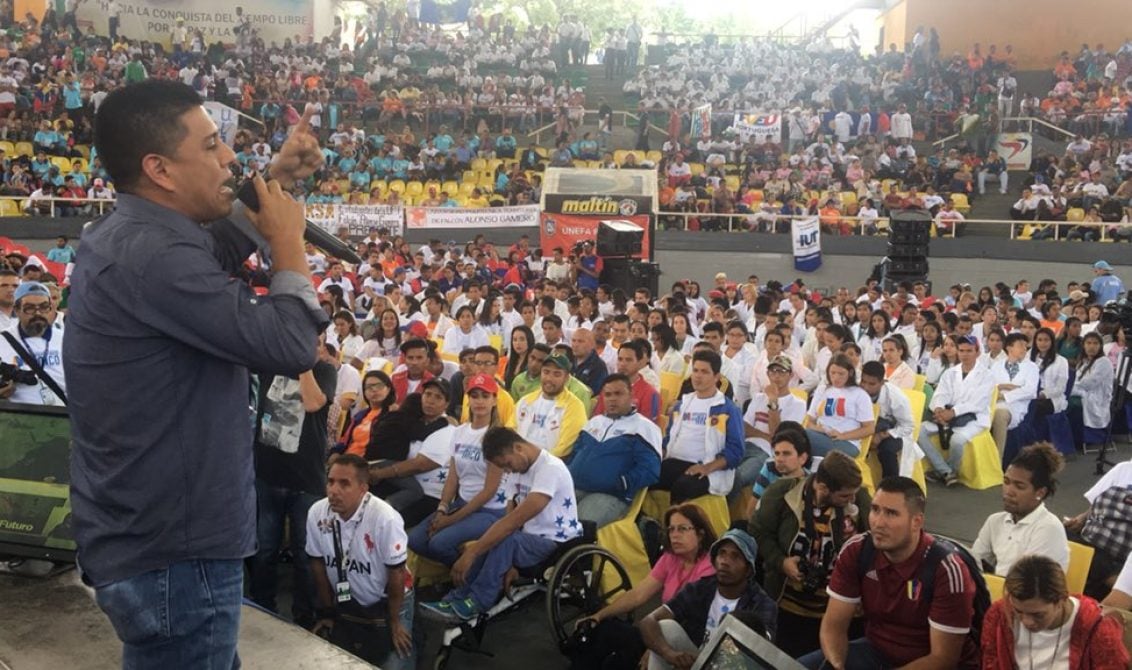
x=44, y=308
x=370, y=387
x=684, y=528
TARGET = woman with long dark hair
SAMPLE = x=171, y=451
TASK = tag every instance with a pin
x=522, y=339
x=378, y=395
x=1090, y=400
x=872, y=340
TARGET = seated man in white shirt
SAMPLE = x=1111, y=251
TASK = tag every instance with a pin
x=767, y=409
x=1017, y=378
x=358, y=542
x=960, y=410
x=541, y=515
x=895, y=423
x=1026, y=526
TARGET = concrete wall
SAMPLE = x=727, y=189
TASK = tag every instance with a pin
x=1038, y=29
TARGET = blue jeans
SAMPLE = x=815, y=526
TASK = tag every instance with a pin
x=821, y=444
x=959, y=439
x=485, y=579
x=748, y=471
x=861, y=656
x=275, y=505
x=601, y=508
x=444, y=547
x=186, y=615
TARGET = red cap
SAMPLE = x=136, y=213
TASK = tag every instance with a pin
x=418, y=329
x=483, y=383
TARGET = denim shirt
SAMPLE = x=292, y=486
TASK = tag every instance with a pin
x=160, y=339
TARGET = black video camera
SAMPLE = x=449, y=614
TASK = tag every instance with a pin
x=1119, y=311
x=10, y=373
x=814, y=577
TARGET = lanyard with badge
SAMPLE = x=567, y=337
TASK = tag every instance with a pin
x=342, y=555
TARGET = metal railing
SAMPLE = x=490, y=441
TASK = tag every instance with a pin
x=26, y=206
x=1018, y=123
x=739, y=223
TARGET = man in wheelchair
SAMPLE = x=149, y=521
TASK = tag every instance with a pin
x=541, y=515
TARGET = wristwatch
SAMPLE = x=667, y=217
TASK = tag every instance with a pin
x=772, y=407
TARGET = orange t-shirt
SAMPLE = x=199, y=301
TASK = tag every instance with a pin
x=359, y=438
x=1055, y=326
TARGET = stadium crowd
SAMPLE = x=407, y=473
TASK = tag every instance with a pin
x=480, y=412
x=475, y=408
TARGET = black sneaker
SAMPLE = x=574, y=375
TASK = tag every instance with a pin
x=936, y=476
x=951, y=480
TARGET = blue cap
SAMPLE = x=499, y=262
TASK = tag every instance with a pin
x=1102, y=265
x=31, y=288
x=742, y=540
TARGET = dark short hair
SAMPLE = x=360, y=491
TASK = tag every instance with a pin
x=488, y=349
x=1043, y=461
x=137, y=120
x=907, y=487
x=640, y=348
x=711, y=358
x=838, y=472
x=359, y=464
x=874, y=369
x=617, y=377
x=498, y=441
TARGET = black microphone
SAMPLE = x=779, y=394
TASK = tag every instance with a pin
x=313, y=234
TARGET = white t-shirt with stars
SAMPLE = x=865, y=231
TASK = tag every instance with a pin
x=549, y=476
x=720, y=606
x=689, y=446
x=438, y=449
x=471, y=467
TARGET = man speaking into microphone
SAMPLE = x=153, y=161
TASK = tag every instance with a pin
x=160, y=341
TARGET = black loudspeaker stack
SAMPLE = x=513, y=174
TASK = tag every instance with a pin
x=909, y=239
x=629, y=274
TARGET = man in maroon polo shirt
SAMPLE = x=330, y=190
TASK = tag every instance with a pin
x=903, y=626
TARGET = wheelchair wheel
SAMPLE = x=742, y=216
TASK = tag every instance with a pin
x=575, y=589
x=442, y=658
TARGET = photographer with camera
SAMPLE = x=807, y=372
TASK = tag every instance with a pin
x=31, y=350
x=800, y=527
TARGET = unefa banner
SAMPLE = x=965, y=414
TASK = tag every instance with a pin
x=807, y=243
x=357, y=218
x=471, y=217
x=154, y=20
x=1016, y=149
x=763, y=127
x=566, y=230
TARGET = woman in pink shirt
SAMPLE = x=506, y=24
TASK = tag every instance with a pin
x=685, y=560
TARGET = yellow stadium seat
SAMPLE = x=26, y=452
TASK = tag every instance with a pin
x=8, y=148
x=670, y=383
x=863, y=458
x=732, y=182
x=496, y=342
x=917, y=400
x=654, y=156
x=962, y=205
x=84, y=150
x=921, y=380
x=996, y=585
x=467, y=187
x=450, y=187
x=542, y=152
x=426, y=572
x=469, y=175
x=493, y=164
x=1080, y=560
x=479, y=164
x=343, y=185
x=9, y=207
x=397, y=185
x=981, y=467
x=25, y=149
x=714, y=507
x=697, y=168
x=380, y=185
x=624, y=541
x=62, y=162
x=619, y=156
x=461, y=200
x=414, y=188
x=1075, y=214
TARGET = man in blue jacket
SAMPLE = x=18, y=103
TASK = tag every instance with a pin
x=616, y=455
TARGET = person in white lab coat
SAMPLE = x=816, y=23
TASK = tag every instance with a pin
x=960, y=409
x=895, y=424
x=1090, y=404
x=1017, y=379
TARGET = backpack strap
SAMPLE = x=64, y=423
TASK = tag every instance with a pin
x=939, y=550
x=866, y=556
